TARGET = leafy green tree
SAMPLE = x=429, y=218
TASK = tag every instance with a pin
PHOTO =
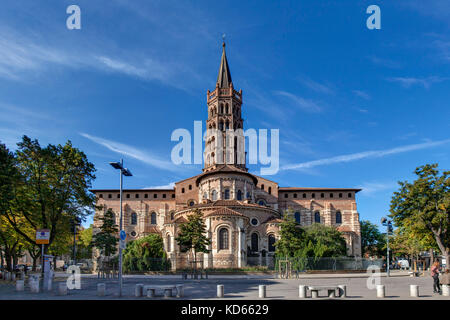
x=372, y=240
x=145, y=254
x=324, y=241
x=52, y=186
x=107, y=238
x=192, y=235
x=421, y=208
x=292, y=237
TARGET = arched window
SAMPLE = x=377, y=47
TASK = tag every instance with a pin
x=153, y=218
x=205, y=195
x=134, y=218
x=261, y=202
x=239, y=195
x=297, y=217
x=317, y=217
x=271, y=243
x=223, y=239
x=172, y=215
x=226, y=108
x=270, y=190
x=227, y=125
x=249, y=195
x=221, y=108
x=255, y=242
x=227, y=194
x=168, y=243
x=338, y=217
x=262, y=187
x=214, y=195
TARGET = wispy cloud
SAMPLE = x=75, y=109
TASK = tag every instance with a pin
x=170, y=185
x=361, y=94
x=364, y=155
x=301, y=103
x=133, y=152
x=371, y=188
x=411, y=81
x=316, y=86
x=385, y=62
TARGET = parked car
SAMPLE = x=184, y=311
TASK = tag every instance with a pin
x=404, y=264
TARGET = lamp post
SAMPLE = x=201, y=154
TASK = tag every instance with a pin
x=387, y=223
x=127, y=173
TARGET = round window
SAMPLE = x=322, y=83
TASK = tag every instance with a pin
x=254, y=221
x=133, y=233
x=191, y=203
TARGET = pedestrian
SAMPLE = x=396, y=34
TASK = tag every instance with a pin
x=435, y=276
x=445, y=278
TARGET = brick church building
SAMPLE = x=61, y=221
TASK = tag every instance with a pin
x=242, y=211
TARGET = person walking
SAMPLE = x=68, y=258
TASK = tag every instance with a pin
x=435, y=276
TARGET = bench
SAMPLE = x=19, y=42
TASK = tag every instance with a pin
x=168, y=290
x=331, y=291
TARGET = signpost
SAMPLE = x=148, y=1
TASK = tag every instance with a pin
x=42, y=238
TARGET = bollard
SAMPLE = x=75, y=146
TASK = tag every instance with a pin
x=34, y=286
x=381, y=291
x=262, y=291
x=414, y=290
x=342, y=291
x=138, y=290
x=180, y=291
x=13, y=276
x=48, y=284
x=302, y=291
x=8, y=276
x=220, y=291
x=167, y=293
x=101, y=288
x=445, y=290
x=62, y=289
x=20, y=285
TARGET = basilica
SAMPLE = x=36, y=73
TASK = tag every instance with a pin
x=242, y=211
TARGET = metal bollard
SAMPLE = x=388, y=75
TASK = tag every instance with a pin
x=302, y=291
x=13, y=276
x=342, y=291
x=138, y=290
x=262, y=291
x=34, y=285
x=445, y=290
x=20, y=285
x=220, y=291
x=381, y=292
x=62, y=289
x=414, y=290
x=101, y=288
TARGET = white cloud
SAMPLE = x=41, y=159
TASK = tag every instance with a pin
x=133, y=152
x=362, y=94
x=410, y=81
x=364, y=155
x=371, y=188
x=304, y=104
x=171, y=185
x=316, y=86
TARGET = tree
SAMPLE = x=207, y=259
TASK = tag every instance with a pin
x=192, y=235
x=145, y=254
x=422, y=207
x=372, y=240
x=292, y=237
x=106, y=239
x=52, y=186
x=324, y=241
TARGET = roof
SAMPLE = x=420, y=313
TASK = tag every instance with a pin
x=344, y=229
x=130, y=190
x=224, y=76
x=317, y=189
x=152, y=229
x=227, y=203
x=225, y=212
x=228, y=169
x=180, y=220
x=273, y=220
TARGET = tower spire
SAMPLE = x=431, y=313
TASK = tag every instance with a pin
x=224, y=77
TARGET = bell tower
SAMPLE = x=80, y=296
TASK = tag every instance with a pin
x=225, y=143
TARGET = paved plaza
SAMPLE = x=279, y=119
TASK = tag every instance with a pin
x=235, y=287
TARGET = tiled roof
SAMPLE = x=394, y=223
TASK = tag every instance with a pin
x=180, y=220
x=225, y=212
x=152, y=229
x=227, y=203
x=228, y=169
x=273, y=220
x=317, y=189
x=344, y=229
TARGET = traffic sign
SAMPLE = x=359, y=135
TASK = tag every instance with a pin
x=122, y=244
x=123, y=235
x=42, y=236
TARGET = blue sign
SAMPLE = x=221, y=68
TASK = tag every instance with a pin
x=123, y=235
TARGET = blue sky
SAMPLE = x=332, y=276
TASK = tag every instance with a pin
x=355, y=107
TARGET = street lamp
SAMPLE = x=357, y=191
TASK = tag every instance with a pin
x=387, y=223
x=74, y=222
x=127, y=173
